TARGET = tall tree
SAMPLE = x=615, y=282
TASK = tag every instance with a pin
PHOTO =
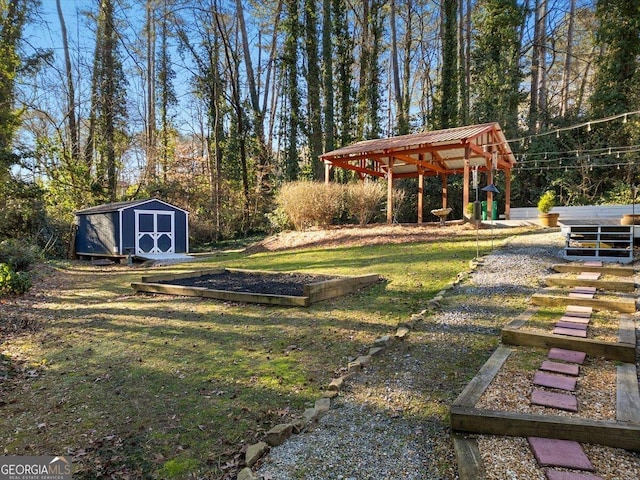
x=448, y=96
x=290, y=60
x=369, y=82
x=496, y=73
x=150, y=134
x=344, y=74
x=327, y=76
x=108, y=104
x=402, y=120
x=12, y=19
x=313, y=81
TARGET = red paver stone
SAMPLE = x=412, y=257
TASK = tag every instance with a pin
x=593, y=264
x=580, y=295
x=558, y=475
x=570, y=332
x=578, y=311
x=563, y=368
x=550, y=452
x=567, y=355
x=574, y=325
x=555, y=381
x=581, y=320
x=561, y=401
x=589, y=276
x=584, y=290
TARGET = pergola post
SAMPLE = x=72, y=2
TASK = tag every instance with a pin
x=489, y=194
x=327, y=169
x=445, y=190
x=420, y=193
x=507, y=193
x=390, y=191
x=465, y=187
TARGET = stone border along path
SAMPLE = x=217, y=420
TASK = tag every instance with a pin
x=280, y=433
x=554, y=453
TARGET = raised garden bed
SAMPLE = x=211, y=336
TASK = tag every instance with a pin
x=253, y=286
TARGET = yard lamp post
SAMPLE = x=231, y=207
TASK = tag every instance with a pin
x=491, y=188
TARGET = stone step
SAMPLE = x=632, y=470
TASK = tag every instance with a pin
x=563, y=368
x=560, y=382
x=550, y=452
x=575, y=326
x=580, y=320
x=589, y=276
x=570, y=332
x=564, y=475
x=580, y=295
x=567, y=355
x=578, y=311
x=561, y=401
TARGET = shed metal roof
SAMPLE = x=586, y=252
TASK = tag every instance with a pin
x=430, y=153
x=118, y=206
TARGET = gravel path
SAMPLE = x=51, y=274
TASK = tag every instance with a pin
x=391, y=421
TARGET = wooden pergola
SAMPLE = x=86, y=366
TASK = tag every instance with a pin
x=454, y=151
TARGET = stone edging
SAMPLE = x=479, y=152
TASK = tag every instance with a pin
x=281, y=432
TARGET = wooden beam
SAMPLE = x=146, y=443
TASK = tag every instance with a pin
x=465, y=186
x=559, y=280
x=492, y=422
x=445, y=190
x=507, y=194
x=470, y=463
x=627, y=397
x=420, y=193
x=616, y=271
x=623, y=305
x=478, y=384
x=390, y=191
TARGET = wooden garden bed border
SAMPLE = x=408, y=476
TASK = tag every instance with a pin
x=623, y=350
x=605, y=269
x=623, y=305
x=623, y=433
x=616, y=285
x=312, y=292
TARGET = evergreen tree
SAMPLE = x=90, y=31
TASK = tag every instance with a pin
x=313, y=80
x=108, y=105
x=12, y=18
x=496, y=73
x=448, y=101
x=291, y=29
x=344, y=76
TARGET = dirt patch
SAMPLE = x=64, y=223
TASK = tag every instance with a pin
x=351, y=235
x=289, y=284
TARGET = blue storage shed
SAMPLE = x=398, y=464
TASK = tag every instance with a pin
x=143, y=228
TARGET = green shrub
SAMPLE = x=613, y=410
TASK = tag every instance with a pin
x=12, y=282
x=19, y=254
x=278, y=220
x=547, y=201
x=310, y=204
x=363, y=200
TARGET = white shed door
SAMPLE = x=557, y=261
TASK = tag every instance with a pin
x=155, y=232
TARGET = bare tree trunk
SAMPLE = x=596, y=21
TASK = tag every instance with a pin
x=535, y=72
x=72, y=120
x=150, y=140
x=542, y=68
x=402, y=124
x=566, y=72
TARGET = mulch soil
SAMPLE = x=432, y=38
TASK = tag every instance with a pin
x=289, y=284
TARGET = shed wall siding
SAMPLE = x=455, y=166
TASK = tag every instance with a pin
x=97, y=234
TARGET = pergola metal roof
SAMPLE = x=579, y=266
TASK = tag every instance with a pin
x=440, y=152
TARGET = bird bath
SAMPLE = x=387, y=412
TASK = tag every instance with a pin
x=441, y=213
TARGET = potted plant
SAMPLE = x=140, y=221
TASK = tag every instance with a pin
x=545, y=204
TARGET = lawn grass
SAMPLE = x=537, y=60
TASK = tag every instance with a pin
x=152, y=386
